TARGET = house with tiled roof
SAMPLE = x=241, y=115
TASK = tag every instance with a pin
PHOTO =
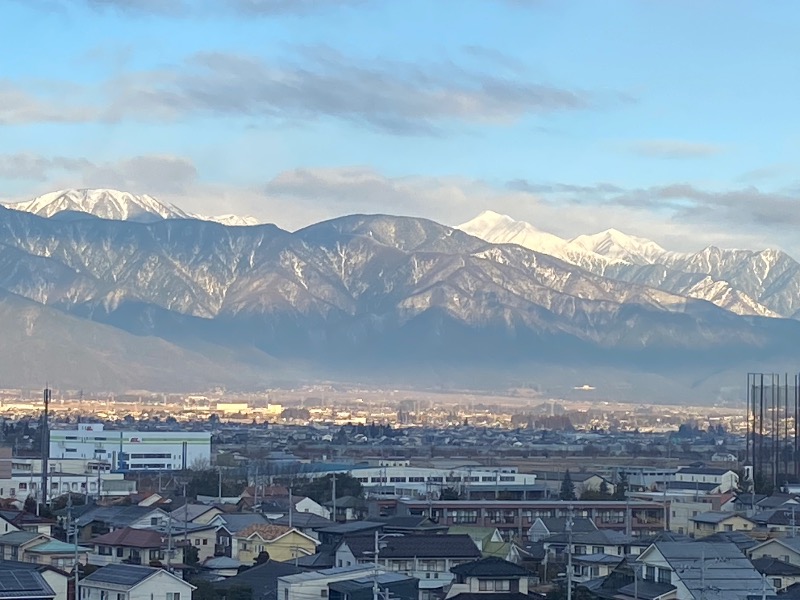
x=28, y=546
x=131, y=546
x=280, y=542
x=489, y=577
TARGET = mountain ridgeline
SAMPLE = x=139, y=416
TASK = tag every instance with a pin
x=182, y=303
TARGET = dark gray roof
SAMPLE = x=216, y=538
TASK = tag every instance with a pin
x=559, y=524
x=646, y=590
x=772, y=566
x=365, y=583
x=261, y=579
x=489, y=568
x=118, y=516
x=124, y=575
x=492, y=595
x=600, y=537
x=238, y=521
x=351, y=527
x=742, y=540
x=713, y=517
x=691, y=486
x=433, y=546
x=703, y=471
x=21, y=583
x=713, y=571
x=303, y=521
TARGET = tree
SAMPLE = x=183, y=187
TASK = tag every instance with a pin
x=449, y=493
x=263, y=557
x=603, y=487
x=622, y=486
x=320, y=489
x=567, y=488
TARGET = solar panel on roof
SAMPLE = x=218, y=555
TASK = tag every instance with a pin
x=18, y=581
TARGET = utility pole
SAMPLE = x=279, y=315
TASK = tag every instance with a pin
x=291, y=507
x=375, y=570
x=45, y=431
x=569, y=553
x=333, y=494
x=219, y=485
x=73, y=527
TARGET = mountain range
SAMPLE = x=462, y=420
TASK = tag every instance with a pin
x=100, y=289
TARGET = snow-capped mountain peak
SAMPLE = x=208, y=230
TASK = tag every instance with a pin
x=103, y=203
x=118, y=206
x=616, y=245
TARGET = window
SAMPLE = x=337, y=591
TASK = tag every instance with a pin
x=597, y=549
x=103, y=595
x=173, y=596
x=323, y=593
x=205, y=541
x=777, y=583
x=120, y=596
x=728, y=527
x=664, y=576
x=650, y=573
x=153, y=520
x=106, y=551
x=197, y=542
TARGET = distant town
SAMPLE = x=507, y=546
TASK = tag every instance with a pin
x=353, y=493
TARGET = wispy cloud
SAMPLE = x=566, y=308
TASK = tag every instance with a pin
x=389, y=96
x=674, y=149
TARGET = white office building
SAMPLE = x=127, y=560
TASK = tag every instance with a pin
x=132, y=450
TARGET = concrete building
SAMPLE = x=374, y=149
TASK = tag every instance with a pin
x=132, y=450
x=422, y=482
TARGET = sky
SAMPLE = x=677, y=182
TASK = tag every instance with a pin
x=673, y=120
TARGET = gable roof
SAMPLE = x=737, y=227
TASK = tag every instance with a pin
x=732, y=577
x=266, y=531
x=23, y=583
x=767, y=565
x=237, y=521
x=131, y=538
x=489, y=568
x=559, y=524
x=127, y=576
x=117, y=516
x=715, y=517
x=305, y=520
x=433, y=546
x=17, y=538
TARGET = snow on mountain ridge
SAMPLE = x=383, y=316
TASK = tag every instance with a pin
x=119, y=206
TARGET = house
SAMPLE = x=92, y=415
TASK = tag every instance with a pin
x=700, y=570
x=130, y=546
x=227, y=525
x=315, y=584
x=583, y=481
x=784, y=549
x=133, y=582
x=488, y=576
x=308, y=523
x=347, y=508
x=711, y=522
x=25, y=521
x=27, y=546
x=261, y=579
x=602, y=541
x=586, y=567
x=196, y=513
x=429, y=558
x=778, y=520
x=490, y=542
x=203, y=538
x=389, y=585
x=18, y=582
x=546, y=526
x=720, y=479
x=100, y=520
x=781, y=574
x=59, y=581
x=281, y=543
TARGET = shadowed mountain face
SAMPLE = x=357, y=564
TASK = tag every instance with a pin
x=185, y=303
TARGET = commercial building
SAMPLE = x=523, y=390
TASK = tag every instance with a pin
x=132, y=450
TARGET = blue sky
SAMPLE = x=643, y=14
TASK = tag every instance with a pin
x=672, y=120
